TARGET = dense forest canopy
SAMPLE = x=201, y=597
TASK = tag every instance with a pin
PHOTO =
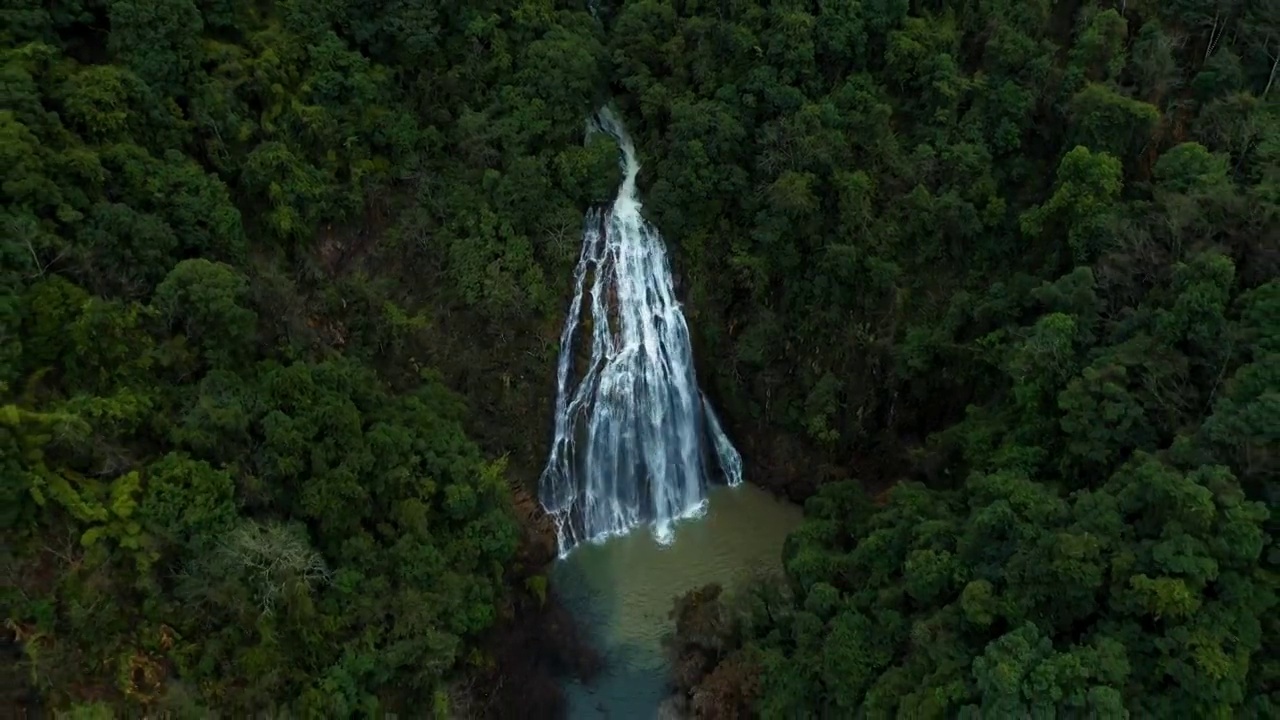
x=282, y=284
x=1042, y=238
x=236, y=236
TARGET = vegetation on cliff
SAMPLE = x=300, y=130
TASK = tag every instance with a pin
x=239, y=241
x=1042, y=238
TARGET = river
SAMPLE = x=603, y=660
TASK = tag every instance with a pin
x=622, y=589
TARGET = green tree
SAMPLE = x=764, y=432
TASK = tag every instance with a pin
x=205, y=300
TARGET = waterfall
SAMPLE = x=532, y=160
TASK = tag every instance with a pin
x=635, y=440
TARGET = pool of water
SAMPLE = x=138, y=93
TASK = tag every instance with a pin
x=621, y=591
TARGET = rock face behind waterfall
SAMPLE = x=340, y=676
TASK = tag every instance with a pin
x=635, y=441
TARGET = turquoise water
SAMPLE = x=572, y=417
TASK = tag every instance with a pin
x=621, y=591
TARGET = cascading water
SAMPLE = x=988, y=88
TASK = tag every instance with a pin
x=634, y=436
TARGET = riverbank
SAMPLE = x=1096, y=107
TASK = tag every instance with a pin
x=591, y=636
x=522, y=661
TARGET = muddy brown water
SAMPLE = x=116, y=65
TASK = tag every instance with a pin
x=621, y=591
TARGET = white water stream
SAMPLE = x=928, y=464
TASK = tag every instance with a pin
x=636, y=442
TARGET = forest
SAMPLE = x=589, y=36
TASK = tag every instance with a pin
x=992, y=287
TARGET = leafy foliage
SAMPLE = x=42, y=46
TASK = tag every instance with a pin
x=230, y=481
x=1017, y=255
x=865, y=200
